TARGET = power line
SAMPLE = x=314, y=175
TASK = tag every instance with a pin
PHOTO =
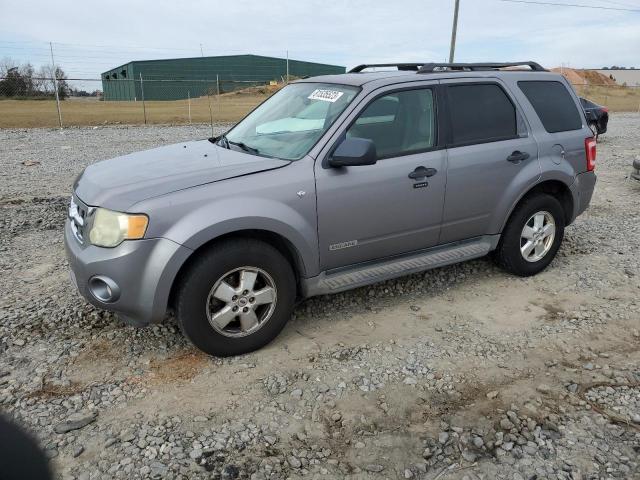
x=576, y=5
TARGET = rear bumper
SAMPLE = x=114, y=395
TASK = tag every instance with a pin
x=582, y=191
x=143, y=270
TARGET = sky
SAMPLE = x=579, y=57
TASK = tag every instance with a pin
x=91, y=37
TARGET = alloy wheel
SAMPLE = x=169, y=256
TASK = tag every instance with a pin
x=241, y=302
x=537, y=236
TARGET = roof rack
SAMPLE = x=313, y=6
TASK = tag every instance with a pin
x=400, y=66
x=448, y=67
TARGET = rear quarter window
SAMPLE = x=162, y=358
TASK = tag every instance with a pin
x=554, y=105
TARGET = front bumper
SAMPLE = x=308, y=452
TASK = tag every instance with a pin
x=582, y=191
x=144, y=271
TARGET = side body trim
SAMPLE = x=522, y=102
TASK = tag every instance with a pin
x=338, y=280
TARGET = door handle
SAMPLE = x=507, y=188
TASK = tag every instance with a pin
x=517, y=156
x=422, y=172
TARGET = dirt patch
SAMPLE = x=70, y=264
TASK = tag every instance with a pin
x=178, y=368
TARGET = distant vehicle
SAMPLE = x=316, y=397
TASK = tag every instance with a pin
x=334, y=183
x=635, y=174
x=597, y=116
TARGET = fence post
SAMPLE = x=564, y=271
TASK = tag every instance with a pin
x=210, y=111
x=189, y=102
x=287, y=67
x=55, y=85
x=144, y=107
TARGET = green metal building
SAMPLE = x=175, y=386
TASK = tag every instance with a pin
x=179, y=78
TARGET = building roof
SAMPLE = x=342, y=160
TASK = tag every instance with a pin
x=200, y=59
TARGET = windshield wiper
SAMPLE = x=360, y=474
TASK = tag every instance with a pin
x=243, y=146
x=222, y=138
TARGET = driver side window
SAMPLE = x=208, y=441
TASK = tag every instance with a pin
x=398, y=124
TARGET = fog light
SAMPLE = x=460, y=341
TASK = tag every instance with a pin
x=104, y=289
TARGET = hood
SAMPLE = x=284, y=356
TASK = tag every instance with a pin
x=120, y=182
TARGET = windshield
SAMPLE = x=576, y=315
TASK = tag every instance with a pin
x=289, y=123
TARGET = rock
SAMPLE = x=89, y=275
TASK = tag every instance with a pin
x=443, y=437
x=359, y=445
x=229, y=472
x=506, y=424
x=408, y=473
x=410, y=381
x=75, y=422
x=19, y=342
x=78, y=451
x=296, y=393
x=200, y=418
x=110, y=442
x=635, y=418
x=294, y=462
x=544, y=388
x=588, y=366
x=271, y=440
x=478, y=442
x=493, y=394
x=469, y=456
x=374, y=468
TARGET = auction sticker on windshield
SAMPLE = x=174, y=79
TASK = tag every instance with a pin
x=325, y=95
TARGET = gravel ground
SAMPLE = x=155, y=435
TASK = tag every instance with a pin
x=463, y=372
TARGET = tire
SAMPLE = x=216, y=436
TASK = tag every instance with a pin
x=229, y=262
x=509, y=256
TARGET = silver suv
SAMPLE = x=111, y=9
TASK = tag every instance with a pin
x=333, y=183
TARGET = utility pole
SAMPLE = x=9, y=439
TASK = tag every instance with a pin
x=201, y=51
x=55, y=84
x=454, y=30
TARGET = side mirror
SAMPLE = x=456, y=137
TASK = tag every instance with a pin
x=353, y=152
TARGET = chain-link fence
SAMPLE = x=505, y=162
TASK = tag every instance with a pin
x=83, y=102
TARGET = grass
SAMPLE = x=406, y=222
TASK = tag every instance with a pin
x=616, y=98
x=229, y=107
x=88, y=111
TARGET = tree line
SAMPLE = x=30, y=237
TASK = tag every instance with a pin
x=24, y=81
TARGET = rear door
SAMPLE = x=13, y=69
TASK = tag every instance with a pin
x=375, y=211
x=491, y=156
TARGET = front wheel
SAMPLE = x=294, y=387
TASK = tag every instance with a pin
x=235, y=297
x=532, y=236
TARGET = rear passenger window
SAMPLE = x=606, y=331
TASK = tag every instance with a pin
x=553, y=104
x=480, y=113
x=399, y=124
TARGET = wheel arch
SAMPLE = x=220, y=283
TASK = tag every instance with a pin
x=276, y=240
x=556, y=188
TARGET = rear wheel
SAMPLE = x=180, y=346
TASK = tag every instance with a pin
x=235, y=297
x=532, y=236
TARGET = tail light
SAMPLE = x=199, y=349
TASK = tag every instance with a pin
x=590, y=152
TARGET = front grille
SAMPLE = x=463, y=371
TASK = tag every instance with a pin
x=79, y=216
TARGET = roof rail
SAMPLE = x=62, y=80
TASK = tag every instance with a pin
x=448, y=67
x=401, y=66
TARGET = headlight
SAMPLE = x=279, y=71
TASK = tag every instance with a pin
x=110, y=228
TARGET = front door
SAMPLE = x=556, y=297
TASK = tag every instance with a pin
x=395, y=206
